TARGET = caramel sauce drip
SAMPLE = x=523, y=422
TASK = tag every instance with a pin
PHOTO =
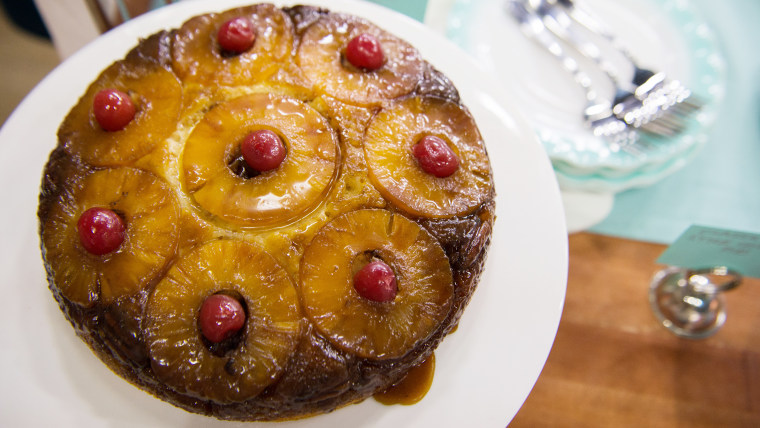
x=413, y=387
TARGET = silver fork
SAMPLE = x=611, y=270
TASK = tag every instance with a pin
x=597, y=114
x=649, y=101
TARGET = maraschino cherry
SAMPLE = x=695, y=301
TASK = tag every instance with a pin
x=113, y=109
x=236, y=35
x=263, y=150
x=376, y=281
x=101, y=231
x=364, y=51
x=221, y=317
x=435, y=156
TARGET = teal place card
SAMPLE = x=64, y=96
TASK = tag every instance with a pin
x=705, y=247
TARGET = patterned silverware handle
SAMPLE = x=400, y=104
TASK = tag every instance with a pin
x=532, y=26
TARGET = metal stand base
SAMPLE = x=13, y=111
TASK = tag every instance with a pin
x=689, y=302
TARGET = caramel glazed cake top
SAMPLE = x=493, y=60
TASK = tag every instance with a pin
x=267, y=213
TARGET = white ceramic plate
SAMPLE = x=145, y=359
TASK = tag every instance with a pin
x=664, y=35
x=484, y=371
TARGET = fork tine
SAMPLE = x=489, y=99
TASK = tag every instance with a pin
x=675, y=117
x=681, y=113
x=690, y=103
x=671, y=118
x=664, y=111
x=660, y=129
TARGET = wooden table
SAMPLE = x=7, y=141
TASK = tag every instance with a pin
x=614, y=365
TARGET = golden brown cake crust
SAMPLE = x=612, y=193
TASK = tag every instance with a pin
x=147, y=174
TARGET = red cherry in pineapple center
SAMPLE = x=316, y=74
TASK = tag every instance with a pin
x=364, y=51
x=113, y=109
x=101, y=231
x=236, y=35
x=221, y=317
x=263, y=150
x=435, y=156
x=376, y=281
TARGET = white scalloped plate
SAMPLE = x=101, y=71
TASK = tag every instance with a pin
x=484, y=371
x=664, y=35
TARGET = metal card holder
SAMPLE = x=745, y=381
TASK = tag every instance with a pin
x=689, y=302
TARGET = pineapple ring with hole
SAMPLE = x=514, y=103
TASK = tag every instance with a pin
x=271, y=197
x=321, y=57
x=270, y=335
x=150, y=212
x=197, y=57
x=157, y=96
x=360, y=326
x=396, y=174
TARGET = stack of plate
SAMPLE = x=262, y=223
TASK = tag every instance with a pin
x=664, y=35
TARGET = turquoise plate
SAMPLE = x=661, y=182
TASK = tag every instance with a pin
x=666, y=35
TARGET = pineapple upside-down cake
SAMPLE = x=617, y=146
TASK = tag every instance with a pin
x=267, y=213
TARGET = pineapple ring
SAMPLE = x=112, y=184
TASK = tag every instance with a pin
x=396, y=174
x=321, y=57
x=358, y=325
x=270, y=334
x=197, y=57
x=150, y=211
x=272, y=197
x=157, y=95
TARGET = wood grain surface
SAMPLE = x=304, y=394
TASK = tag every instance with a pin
x=614, y=365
